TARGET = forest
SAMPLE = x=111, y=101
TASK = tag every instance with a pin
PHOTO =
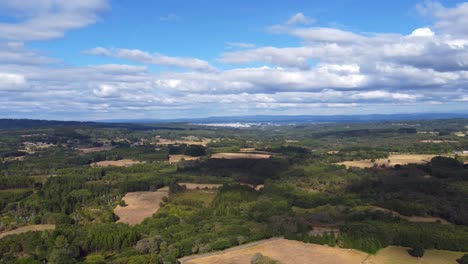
x=50, y=174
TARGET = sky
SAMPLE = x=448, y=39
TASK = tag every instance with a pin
x=161, y=59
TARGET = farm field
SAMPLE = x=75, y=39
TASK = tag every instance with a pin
x=140, y=205
x=95, y=149
x=399, y=255
x=240, y=156
x=177, y=158
x=401, y=159
x=25, y=229
x=117, y=163
x=283, y=250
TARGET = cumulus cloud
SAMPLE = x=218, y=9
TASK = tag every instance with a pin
x=48, y=19
x=330, y=71
x=155, y=58
x=451, y=20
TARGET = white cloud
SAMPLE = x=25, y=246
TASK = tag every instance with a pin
x=330, y=71
x=241, y=45
x=422, y=32
x=451, y=21
x=155, y=58
x=169, y=17
x=299, y=18
x=105, y=90
x=11, y=81
x=48, y=19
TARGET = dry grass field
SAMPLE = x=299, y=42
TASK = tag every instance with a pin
x=240, y=156
x=293, y=252
x=95, y=149
x=194, y=186
x=394, y=159
x=177, y=158
x=117, y=163
x=282, y=250
x=25, y=229
x=140, y=205
x=399, y=255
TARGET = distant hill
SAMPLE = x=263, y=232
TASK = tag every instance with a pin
x=300, y=118
x=146, y=124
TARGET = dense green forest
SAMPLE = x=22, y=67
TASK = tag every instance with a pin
x=48, y=176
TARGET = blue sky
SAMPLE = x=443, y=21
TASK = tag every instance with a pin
x=99, y=59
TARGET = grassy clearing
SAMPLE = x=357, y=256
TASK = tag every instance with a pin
x=25, y=229
x=198, y=195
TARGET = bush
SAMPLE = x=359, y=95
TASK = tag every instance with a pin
x=260, y=259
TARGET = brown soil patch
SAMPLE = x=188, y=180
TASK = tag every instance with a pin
x=460, y=134
x=25, y=229
x=194, y=186
x=395, y=159
x=177, y=158
x=118, y=163
x=282, y=250
x=140, y=205
x=240, y=156
x=95, y=149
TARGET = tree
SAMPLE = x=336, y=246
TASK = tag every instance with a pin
x=417, y=251
x=60, y=253
x=463, y=260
